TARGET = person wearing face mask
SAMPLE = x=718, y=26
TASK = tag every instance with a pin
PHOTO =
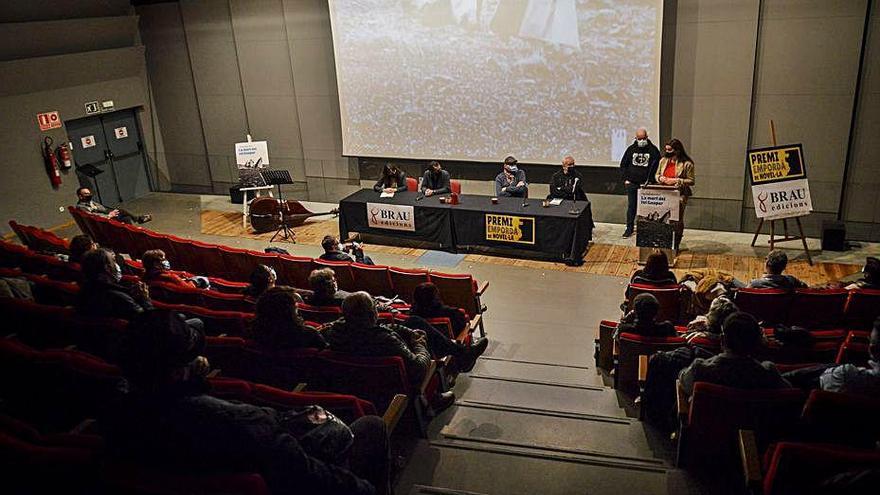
x=511, y=182
x=435, y=180
x=86, y=202
x=102, y=293
x=677, y=169
x=638, y=166
x=157, y=268
x=337, y=251
x=567, y=183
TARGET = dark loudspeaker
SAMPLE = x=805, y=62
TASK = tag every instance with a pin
x=833, y=235
x=235, y=194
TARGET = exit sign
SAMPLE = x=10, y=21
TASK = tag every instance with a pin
x=92, y=107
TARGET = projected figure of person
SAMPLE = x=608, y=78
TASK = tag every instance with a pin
x=567, y=183
x=551, y=21
x=511, y=182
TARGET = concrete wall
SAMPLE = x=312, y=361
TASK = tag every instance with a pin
x=94, y=53
x=221, y=70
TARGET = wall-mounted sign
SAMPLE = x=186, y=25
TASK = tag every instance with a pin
x=92, y=107
x=87, y=141
x=107, y=106
x=48, y=120
x=508, y=228
x=121, y=132
x=392, y=217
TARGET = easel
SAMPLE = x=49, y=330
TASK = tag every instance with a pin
x=773, y=241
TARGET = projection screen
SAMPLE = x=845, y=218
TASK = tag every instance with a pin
x=478, y=80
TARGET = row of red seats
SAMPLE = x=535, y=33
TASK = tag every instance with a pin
x=82, y=384
x=808, y=308
x=628, y=355
x=378, y=379
x=39, y=240
x=458, y=290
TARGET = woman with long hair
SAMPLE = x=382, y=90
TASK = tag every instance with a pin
x=677, y=169
x=392, y=179
x=278, y=324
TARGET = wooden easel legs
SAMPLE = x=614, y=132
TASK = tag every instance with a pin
x=773, y=240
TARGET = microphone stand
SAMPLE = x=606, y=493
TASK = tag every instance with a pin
x=574, y=202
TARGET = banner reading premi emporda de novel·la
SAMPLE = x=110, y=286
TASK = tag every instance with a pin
x=779, y=182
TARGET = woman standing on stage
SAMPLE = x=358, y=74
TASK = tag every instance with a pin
x=677, y=169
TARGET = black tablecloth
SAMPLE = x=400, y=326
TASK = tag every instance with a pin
x=553, y=231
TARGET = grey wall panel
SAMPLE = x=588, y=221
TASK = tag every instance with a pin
x=44, y=10
x=319, y=121
x=265, y=68
x=274, y=118
x=54, y=37
x=223, y=120
x=212, y=47
x=307, y=19
x=258, y=20
x=313, y=66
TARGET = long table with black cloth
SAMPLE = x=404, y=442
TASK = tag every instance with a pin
x=511, y=226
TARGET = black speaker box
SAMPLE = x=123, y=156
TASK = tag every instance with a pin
x=235, y=195
x=833, y=235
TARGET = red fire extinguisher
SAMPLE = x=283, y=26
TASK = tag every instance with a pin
x=64, y=156
x=51, y=162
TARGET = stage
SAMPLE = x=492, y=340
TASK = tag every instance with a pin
x=608, y=254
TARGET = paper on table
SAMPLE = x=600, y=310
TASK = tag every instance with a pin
x=386, y=194
x=556, y=201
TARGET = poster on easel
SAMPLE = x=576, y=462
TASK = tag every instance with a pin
x=778, y=176
x=250, y=158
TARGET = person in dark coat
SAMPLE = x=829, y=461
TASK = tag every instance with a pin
x=393, y=179
x=166, y=418
x=511, y=182
x=278, y=324
x=567, y=183
x=435, y=180
x=773, y=277
x=336, y=251
x=325, y=290
x=101, y=293
x=637, y=166
x=642, y=319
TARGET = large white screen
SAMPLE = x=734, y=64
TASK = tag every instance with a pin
x=481, y=79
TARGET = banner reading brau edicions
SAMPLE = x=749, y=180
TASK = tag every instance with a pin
x=779, y=182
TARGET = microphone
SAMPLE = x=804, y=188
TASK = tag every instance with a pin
x=420, y=197
x=574, y=209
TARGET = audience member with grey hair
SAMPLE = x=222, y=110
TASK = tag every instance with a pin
x=325, y=289
x=773, y=277
x=359, y=333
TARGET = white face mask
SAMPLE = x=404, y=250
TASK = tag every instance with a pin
x=642, y=142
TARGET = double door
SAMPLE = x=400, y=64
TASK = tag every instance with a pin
x=109, y=157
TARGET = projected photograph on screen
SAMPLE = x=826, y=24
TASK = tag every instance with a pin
x=480, y=79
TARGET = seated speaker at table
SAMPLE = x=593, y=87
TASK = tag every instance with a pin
x=392, y=179
x=567, y=183
x=435, y=180
x=511, y=182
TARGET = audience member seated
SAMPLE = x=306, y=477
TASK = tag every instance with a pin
x=262, y=279
x=157, y=268
x=165, y=418
x=278, y=324
x=852, y=379
x=871, y=278
x=101, y=293
x=337, y=251
x=709, y=325
x=656, y=271
x=641, y=320
x=86, y=202
x=773, y=277
x=325, y=291
x=428, y=304
x=741, y=337
x=80, y=245
x=359, y=333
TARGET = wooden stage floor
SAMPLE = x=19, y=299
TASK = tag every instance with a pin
x=601, y=259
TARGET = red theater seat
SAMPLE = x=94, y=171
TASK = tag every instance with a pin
x=319, y=314
x=768, y=306
x=800, y=468
x=817, y=308
x=668, y=295
x=404, y=281
x=862, y=308
x=629, y=347
x=372, y=278
x=295, y=271
x=342, y=270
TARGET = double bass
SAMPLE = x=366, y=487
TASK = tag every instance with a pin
x=268, y=214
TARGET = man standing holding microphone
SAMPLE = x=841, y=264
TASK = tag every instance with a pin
x=638, y=166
